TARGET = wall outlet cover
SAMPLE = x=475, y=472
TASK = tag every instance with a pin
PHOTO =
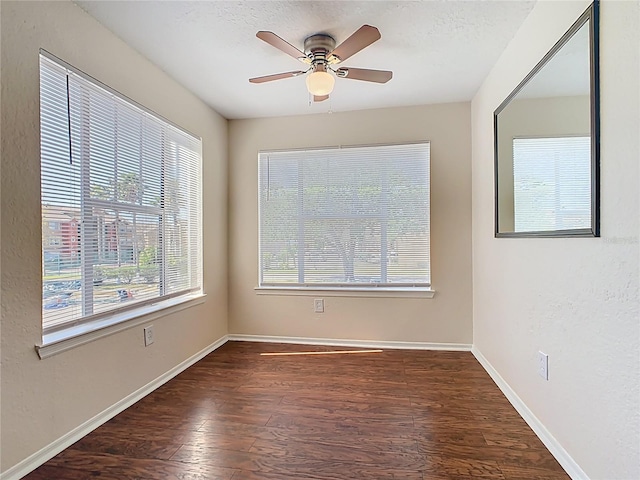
x=543, y=365
x=318, y=305
x=148, y=335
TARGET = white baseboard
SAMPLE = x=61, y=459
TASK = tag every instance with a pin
x=561, y=455
x=41, y=456
x=465, y=347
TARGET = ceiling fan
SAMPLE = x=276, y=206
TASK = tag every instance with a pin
x=320, y=54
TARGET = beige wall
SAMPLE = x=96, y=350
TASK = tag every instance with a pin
x=575, y=299
x=445, y=318
x=44, y=399
x=554, y=116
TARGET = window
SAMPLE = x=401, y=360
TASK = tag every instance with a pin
x=552, y=183
x=121, y=202
x=355, y=217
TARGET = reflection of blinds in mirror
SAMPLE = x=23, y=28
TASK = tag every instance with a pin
x=552, y=183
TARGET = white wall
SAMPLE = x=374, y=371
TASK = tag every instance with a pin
x=443, y=319
x=44, y=399
x=575, y=299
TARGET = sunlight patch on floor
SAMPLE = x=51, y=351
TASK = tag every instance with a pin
x=332, y=352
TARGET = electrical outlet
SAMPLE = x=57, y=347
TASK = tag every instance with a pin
x=148, y=335
x=543, y=365
x=318, y=305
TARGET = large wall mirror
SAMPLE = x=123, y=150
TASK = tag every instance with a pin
x=546, y=141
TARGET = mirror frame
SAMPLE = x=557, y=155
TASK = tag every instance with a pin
x=590, y=17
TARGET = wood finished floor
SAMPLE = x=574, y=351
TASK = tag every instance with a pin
x=413, y=415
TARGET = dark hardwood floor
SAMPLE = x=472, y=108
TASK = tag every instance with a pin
x=240, y=415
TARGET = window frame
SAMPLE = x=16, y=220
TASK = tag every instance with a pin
x=86, y=328
x=345, y=289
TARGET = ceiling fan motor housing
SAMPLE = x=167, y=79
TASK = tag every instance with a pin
x=317, y=48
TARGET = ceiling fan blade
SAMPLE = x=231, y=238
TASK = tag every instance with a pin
x=361, y=38
x=282, y=45
x=320, y=98
x=365, y=74
x=277, y=76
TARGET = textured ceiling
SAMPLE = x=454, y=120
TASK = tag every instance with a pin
x=439, y=51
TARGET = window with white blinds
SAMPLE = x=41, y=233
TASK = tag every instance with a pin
x=345, y=217
x=552, y=183
x=121, y=202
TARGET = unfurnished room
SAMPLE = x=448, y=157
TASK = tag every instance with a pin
x=287, y=240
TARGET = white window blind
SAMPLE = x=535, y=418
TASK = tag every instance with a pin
x=121, y=202
x=345, y=217
x=552, y=183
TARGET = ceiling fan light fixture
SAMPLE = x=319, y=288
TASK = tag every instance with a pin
x=320, y=83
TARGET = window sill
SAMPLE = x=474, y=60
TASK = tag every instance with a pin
x=378, y=292
x=74, y=336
